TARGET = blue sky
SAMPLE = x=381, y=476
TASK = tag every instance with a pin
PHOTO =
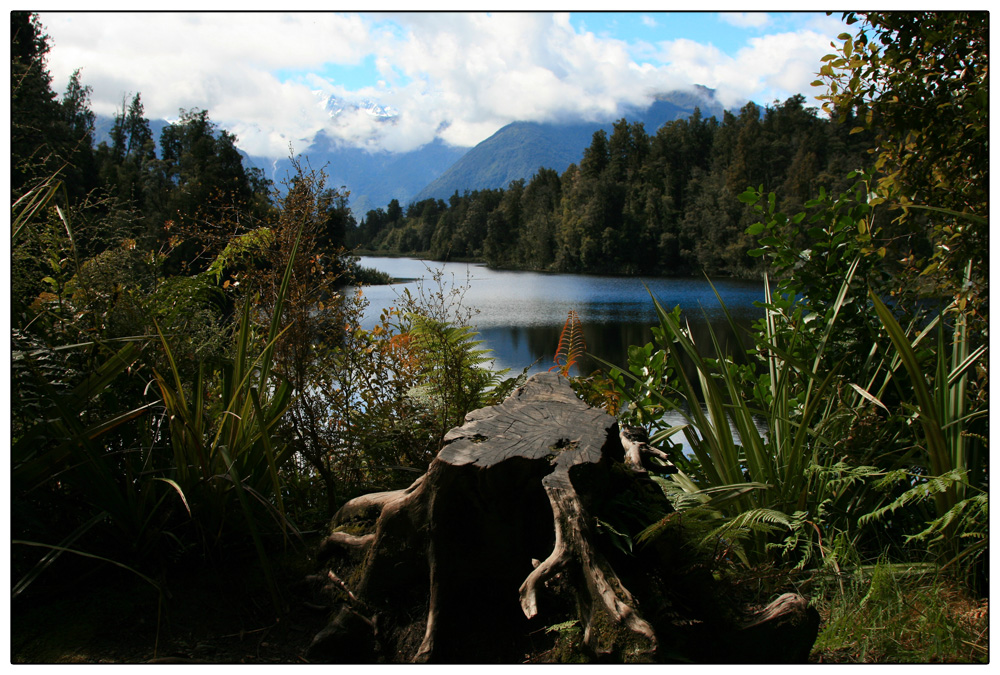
x=728, y=32
x=458, y=76
x=702, y=27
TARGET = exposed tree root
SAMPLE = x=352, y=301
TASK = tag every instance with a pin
x=497, y=540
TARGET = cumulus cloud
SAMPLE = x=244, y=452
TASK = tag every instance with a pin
x=769, y=68
x=478, y=72
x=745, y=19
x=224, y=63
x=456, y=76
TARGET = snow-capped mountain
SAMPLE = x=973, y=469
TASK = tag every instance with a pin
x=437, y=170
x=337, y=106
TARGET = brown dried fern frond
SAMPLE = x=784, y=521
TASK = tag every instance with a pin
x=571, y=346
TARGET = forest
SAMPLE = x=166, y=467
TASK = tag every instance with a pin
x=193, y=397
x=663, y=204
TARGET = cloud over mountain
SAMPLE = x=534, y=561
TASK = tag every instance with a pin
x=457, y=77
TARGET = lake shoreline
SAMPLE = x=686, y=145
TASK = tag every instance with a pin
x=425, y=258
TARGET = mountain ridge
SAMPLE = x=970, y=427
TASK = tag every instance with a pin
x=437, y=170
x=519, y=149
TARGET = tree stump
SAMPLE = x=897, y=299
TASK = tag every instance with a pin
x=496, y=542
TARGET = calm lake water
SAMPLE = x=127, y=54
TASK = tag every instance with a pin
x=521, y=314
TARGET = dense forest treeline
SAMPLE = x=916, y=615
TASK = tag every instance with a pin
x=181, y=195
x=662, y=204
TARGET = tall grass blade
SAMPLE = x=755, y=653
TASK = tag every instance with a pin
x=272, y=337
x=31, y=203
x=268, y=450
x=84, y=554
x=53, y=553
x=937, y=448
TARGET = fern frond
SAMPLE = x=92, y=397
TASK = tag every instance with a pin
x=695, y=520
x=457, y=371
x=842, y=476
x=683, y=499
x=922, y=491
x=891, y=479
x=241, y=248
x=762, y=521
x=971, y=516
x=572, y=346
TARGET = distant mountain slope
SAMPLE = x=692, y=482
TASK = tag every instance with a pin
x=519, y=149
x=373, y=179
x=104, y=123
x=437, y=169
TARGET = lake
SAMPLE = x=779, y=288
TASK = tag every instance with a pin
x=521, y=314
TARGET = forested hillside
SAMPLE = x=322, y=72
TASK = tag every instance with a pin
x=637, y=203
x=517, y=150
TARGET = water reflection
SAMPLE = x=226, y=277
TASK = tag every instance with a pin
x=521, y=314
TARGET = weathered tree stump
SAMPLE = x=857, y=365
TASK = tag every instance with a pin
x=496, y=541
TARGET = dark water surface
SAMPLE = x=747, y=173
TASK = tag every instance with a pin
x=521, y=314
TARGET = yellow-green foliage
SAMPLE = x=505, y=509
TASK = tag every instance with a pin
x=901, y=614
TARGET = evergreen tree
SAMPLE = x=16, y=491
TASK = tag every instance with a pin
x=636, y=204
x=597, y=156
x=40, y=139
x=203, y=190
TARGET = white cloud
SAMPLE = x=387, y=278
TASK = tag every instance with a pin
x=649, y=21
x=219, y=62
x=769, y=68
x=470, y=74
x=745, y=19
x=456, y=76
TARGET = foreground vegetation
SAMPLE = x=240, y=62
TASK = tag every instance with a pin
x=193, y=390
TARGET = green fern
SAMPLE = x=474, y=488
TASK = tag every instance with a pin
x=240, y=249
x=457, y=373
x=754, y=521
x=970, y=518
x=841, y=476
x=934, y=485
x=702, y=510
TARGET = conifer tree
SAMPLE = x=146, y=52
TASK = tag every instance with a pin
x=38, y=135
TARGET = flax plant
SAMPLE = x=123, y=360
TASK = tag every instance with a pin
x=233, y=453
x=939, y=401
x=69, y=450
x=759, y=437
x=225, y=456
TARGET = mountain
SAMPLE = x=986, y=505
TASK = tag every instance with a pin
x=103, y=124
x=372, y=178
x=338, y=106
x=437, y=170
x=519, y=149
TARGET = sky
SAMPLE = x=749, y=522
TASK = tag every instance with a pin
x=456, y=76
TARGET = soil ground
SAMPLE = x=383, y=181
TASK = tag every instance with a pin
x=82, y=613
x=112, y=616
